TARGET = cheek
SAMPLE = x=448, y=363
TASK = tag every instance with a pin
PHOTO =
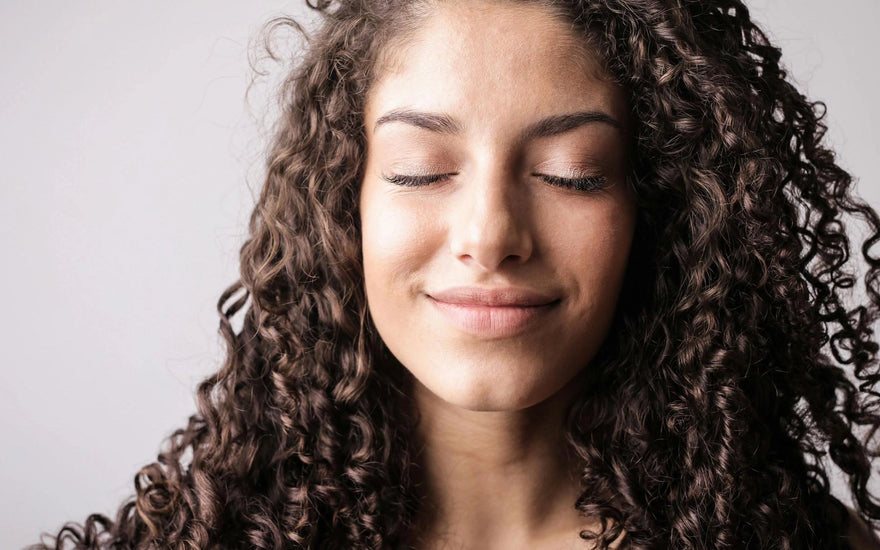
x=606, y=246
x=590, y=249
x=593, y=241
x=398, y=238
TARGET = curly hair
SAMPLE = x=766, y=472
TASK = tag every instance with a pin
x=739, y=361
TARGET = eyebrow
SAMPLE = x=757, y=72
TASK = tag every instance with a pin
x=553, y=125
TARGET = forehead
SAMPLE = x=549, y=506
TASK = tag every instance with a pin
x=493, y=57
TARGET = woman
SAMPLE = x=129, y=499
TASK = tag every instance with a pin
x=534, y=275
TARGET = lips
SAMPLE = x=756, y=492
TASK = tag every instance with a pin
x=493, y=313
x=499, y=296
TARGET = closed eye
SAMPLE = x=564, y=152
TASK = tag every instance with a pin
x=415, y=181
x=586, y=184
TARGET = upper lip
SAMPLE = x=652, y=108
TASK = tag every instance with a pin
x=498, y=296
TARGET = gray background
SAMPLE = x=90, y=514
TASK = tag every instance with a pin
x=129, y=160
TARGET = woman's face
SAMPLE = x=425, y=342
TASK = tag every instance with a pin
x=496, y=220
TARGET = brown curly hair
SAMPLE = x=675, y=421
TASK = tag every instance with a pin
x=736, y=366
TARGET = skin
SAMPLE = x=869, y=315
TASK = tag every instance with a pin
x=860, y=536
x=492, y=407
x=495, y=473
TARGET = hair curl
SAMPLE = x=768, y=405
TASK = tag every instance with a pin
x=728, y=378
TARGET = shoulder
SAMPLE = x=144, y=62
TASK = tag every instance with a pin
x=859, y=535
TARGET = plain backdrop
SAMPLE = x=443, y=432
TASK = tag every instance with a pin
x=130, y=159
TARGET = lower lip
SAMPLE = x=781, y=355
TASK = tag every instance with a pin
x=492, y=321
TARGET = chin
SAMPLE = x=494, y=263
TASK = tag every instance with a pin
x=489, y=403
x=488, y=393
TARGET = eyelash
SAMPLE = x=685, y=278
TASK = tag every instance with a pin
x=587, y=184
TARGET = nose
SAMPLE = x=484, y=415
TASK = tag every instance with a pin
x=490, y=223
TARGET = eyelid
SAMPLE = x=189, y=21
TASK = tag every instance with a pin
x=419, y=168
x=421, y=171
x=584, y=184
x=570, y=170
x=416, y=179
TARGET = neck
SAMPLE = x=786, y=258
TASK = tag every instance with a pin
x=497, y=478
